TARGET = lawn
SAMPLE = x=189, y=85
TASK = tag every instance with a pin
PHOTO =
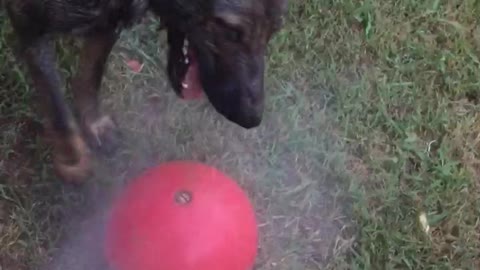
x=367, y=158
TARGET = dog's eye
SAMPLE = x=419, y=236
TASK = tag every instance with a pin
x=230, y=33
x=233, y=35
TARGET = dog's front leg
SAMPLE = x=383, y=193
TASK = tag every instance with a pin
x=70, y=152
x=100, y=129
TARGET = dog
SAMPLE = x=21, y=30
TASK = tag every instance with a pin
x=214, y=46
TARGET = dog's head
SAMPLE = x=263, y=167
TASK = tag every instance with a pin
x=218, y=47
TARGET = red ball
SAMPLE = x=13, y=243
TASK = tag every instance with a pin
x=182, y=216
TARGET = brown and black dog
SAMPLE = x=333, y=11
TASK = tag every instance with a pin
x=217, y=46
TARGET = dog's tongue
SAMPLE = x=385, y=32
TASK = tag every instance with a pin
x=194, y=89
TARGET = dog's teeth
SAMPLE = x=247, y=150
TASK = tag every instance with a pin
x=185, y=47
x=184, y=85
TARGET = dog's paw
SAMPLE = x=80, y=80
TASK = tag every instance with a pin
x=103, y=134
x=72, y=159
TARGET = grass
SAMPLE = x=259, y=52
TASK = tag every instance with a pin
x=371, y=124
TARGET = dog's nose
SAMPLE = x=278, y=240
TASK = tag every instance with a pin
x=250, y=113
x=244, y=119
x=251, y=121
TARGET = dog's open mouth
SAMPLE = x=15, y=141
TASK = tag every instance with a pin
x=191, y=85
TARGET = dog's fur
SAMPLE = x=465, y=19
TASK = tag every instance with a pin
x=227, y=40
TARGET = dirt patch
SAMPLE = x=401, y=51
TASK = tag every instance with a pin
x=357, y=168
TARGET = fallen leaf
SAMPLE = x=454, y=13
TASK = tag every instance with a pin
x=135, y=66
x=424, y=222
